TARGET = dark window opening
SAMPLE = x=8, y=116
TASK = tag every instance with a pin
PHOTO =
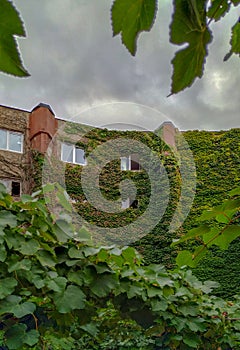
x=16, y=189
x=135, y=162
x=135, y=165
x=134, y=204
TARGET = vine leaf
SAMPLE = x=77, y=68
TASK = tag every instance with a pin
x=235, y=2
x=184, y=257
x=10, y=25
x=132, y=17
x=15, y=336
x=189, y=27
x=228, y=235
x=218, y=9
x=24, y=309
x=7, y=286
x=72, y=298
x=235, y=44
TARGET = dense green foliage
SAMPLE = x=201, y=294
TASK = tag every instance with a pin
x=217, y=159
x=221, y=233
x=58, y=291
x=216, y=155
x=219, y=228
x=155, y=246
x=111, y=176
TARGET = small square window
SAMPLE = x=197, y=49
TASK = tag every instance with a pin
x=130, y=162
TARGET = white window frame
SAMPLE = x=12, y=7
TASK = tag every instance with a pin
x=126, y=203
x=74, y=148
x=10, y=132
x=128, y=161
x=125, y=161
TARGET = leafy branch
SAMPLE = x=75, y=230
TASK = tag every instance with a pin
x=11, y=25
x=227, y=214
x=190, y=25
x=58, y=291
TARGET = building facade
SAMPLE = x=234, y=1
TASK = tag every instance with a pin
x=23, y=132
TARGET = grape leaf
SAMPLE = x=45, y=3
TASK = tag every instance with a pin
x=235, y=2
x=228, y=235
x=31, y=337
x=132, y=17
x=235, y=43
x=15, y=336
x=184, y=257
x=24, y=309
x=193, y=233
x=10, y=25
x=72, y=298
x=7, y=218
x=189, y=27
x=7, y=286
x=235, y=191
x=218, y=9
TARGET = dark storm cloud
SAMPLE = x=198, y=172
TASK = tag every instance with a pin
x=75, y=64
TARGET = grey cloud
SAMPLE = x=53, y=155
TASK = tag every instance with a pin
x=75, y=64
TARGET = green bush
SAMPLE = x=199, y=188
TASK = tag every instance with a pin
x=59, y=291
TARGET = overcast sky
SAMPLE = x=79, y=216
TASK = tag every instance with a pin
x=76, y=64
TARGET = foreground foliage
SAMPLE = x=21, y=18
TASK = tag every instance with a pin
x=58, y=291
x=190, y=27
x=11, y=25
x=219, y=226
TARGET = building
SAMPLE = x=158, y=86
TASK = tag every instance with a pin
x=23, y=132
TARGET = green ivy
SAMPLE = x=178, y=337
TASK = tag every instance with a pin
x=217, y=159
x=216, y=156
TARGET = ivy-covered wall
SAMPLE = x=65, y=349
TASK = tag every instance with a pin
x=217, y=159
x=111, y=176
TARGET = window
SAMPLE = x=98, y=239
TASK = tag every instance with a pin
x=72, y=154
x=12, y=187
x=128, y=203
x=11, y=141
x=130, y=162
x=16, y=189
